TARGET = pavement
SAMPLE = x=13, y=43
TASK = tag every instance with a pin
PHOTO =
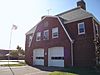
x=42, y=70
x=22, y=70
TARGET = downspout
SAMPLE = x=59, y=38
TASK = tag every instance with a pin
x=72, y=59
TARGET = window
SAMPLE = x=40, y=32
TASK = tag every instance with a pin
x=57, y=58
x=46, y=35
x=81, y=28
x=55, y=32
x=46, y=24
x=30, y=39
x=39, y=57
x=38, y=36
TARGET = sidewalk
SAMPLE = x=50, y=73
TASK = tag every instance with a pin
x=19, y=70
x=23, y=70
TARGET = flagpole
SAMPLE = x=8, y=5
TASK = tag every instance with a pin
x=10, y=39
x=13, y=27
x=9, y=46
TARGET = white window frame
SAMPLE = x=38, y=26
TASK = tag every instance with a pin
x=44, y=36
x=38, y=34
x=46, y=24
x=79, y=28
x=54, y=30
x=29, y=40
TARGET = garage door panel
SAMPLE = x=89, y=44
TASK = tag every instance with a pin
x=56, y=56
x=39, y=62
x=59, y=63
x=38, y=56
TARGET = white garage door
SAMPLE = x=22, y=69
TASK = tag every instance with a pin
x=56, y=56
x=38, y=56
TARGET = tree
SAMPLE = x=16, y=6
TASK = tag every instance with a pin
x=20, y=50
x=97, y=52
x=14, y=54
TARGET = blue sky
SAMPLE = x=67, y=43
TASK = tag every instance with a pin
x=27, y=13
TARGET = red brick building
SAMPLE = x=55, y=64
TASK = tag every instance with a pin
x=63, y=40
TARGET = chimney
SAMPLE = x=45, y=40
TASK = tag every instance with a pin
x=81, y=4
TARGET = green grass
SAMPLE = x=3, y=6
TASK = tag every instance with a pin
x=76, y=71
x=13, y=65
x=19, y=64
x=61, y=73
x=22, y=63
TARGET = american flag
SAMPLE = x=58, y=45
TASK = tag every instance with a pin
x=14, y=27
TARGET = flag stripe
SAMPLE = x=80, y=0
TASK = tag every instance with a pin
x=14, y=27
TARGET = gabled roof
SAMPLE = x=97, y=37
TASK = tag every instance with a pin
x=75, y=15
x=32, y=31
x=72, y=15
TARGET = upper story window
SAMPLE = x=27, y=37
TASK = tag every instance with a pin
x=38, y=36
x=81, y=28
x=30, y=39
x=46, y=35
x=55, y=32
x=46, y=24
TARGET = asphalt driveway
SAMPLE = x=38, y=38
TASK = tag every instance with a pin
x=23, y=70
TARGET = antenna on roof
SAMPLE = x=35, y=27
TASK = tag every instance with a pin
x=49, y=11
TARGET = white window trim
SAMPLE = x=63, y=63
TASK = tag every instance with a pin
x=46, y=24
x=29, y=40
x=78, y=28
x=52, y=33
x=36, y=36
x=48, y=34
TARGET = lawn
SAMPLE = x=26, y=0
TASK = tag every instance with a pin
x=62, y=73
x=77, y=71
x=13, y=64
